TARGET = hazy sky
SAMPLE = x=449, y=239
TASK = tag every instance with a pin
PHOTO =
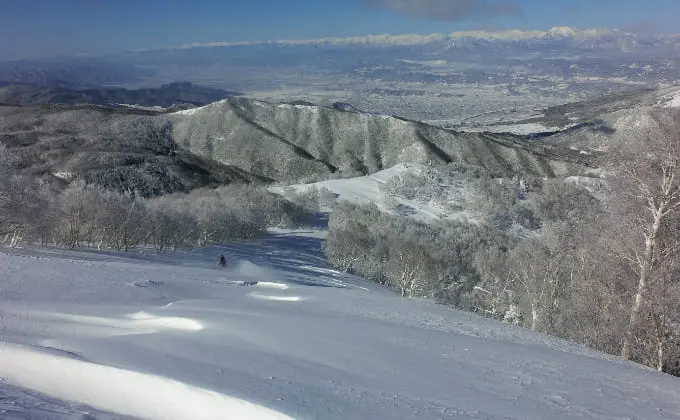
x=34, y=28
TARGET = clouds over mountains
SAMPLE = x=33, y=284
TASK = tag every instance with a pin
x=451, y=10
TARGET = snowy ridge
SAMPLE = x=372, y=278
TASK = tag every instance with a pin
x=194, y=111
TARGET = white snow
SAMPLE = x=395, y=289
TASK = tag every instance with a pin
x=521, y=129
x=193, y=111
x=142, y=107
x=136, y=323
x=122, y=391
x=190, y=111
x=279, y=334
x=271, y=285
x=64, y=175
x=311, y=108
x=674, y=101
x=276, y=298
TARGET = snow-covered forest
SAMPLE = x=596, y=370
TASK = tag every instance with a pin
x=87, y=215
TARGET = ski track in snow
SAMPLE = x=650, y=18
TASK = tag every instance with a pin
x=279, y=334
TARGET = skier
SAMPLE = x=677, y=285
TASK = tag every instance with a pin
x=223, y=261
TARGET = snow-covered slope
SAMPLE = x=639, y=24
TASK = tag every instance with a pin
x=279, y=335
x=369, y=189
x=670, y=98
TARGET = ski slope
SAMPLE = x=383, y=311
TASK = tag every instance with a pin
x=279, y=335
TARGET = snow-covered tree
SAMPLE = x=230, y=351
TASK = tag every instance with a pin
x=647, y=198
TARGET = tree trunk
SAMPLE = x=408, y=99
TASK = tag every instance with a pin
x=16, y=237
x=660, y=354
x=534, y=317
x=650, y=243
x=403, y=283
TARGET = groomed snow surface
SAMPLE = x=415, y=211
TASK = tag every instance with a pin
x=279, y=335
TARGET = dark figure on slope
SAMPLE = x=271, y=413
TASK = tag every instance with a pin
x=223, y=261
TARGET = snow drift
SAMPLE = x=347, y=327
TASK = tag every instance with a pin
x=122, y=391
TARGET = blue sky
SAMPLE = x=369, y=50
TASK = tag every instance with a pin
x=35, y=28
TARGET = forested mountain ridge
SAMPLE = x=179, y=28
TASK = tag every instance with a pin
x=168, y=95
x=243, y=140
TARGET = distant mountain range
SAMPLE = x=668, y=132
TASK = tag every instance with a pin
x=590, y=37
x=173, y=94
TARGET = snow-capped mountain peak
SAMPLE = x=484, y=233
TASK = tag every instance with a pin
x=421, y=39
x=562, y=31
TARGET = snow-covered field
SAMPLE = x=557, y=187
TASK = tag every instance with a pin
x=278, y=335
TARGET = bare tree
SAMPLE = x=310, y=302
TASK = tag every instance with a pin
x=494, y=295
x=165, y=224
x=80, y=211
x=13, y=198
x=535, y=273
x=123, y=225
x=409, y=269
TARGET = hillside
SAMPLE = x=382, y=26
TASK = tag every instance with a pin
x=309, y=141
x=119, y=149
x=300, y=340
x=243, y=140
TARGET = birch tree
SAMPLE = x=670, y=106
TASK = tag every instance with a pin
x=535, y=273
x=13, y=199
x=494, y=295
x=647, y=195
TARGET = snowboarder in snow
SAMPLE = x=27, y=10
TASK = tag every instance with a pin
x=223, y=261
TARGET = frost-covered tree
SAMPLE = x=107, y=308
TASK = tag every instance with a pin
x=647, y=197
x=494, y=295
x=535, y=274
x=415, y=258
x=124, y=221
x=409, y=269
